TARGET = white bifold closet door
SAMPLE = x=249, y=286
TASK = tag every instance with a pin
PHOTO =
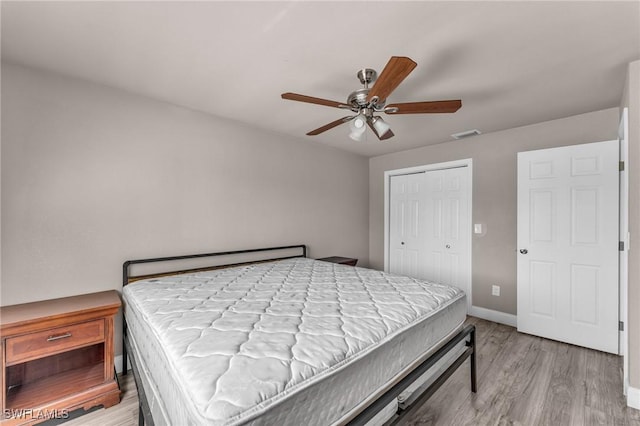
x=448, y=230
x=429, y=226
x=568, y=244
x=407, y=224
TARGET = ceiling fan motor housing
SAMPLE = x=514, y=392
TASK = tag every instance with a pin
x=358, y=99
x=367, y=76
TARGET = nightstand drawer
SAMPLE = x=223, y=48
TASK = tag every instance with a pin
x=53, y=341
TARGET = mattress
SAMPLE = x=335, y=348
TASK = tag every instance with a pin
x=296, y=341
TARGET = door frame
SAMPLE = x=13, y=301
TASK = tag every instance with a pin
x=623, y=256
x=468, y=163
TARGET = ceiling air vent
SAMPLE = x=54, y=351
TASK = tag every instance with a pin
x=466, y=134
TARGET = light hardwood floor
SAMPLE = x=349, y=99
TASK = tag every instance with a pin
x=522, y=380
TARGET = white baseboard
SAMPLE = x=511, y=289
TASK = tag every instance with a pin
x=633, y=397
x=625, y=386
x=495, y=316
x=118, y=363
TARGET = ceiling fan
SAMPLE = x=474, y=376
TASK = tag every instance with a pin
x=367, y=102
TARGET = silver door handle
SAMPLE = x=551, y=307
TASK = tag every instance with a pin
x=524, y=251
x=448, y=246
x=58, y=337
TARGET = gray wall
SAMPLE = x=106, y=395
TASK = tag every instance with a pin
x=92, y=176
x=631, y=99
x=494, y=193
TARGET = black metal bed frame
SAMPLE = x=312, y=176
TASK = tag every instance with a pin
x=144, y=413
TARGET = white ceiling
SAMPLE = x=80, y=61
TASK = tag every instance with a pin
x=512, y=63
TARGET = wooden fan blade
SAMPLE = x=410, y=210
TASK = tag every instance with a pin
x=396, y=70
x=329, y=126
x=311, y=100
x=424, y=107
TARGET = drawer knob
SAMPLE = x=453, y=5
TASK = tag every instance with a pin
x=58, y=337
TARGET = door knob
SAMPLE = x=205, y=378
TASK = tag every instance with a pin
x=524, y=251
x=402, y=243
x=448, y=246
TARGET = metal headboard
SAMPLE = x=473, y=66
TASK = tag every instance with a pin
x=127, y=277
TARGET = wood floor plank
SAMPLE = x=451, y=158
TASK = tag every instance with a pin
x=492, y=403
x=559, y=399
x=491, y=338
x=523, y=380
x=527, y=393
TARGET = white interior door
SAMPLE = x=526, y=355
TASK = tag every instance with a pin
x=568, y=244
x=448, y=225
x=406, y=238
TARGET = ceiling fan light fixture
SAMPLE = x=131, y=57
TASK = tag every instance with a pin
x=358, y=137
x=380, y=126
x=358, y=122
x=357, y=127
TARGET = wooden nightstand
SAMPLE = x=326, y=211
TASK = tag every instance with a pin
x=57, y=356
x=341, y=260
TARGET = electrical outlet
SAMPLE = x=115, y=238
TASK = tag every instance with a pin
x=495, y=290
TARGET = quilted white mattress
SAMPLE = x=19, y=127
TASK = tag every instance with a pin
x=296, y=341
